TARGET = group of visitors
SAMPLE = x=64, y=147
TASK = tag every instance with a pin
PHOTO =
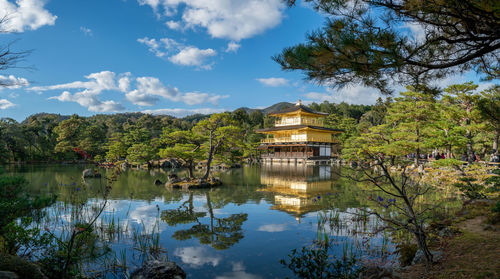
x=436, y=155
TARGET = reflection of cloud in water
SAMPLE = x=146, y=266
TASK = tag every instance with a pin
x=238, y=273
x=147, y=216
x=272, y=228
x=116, y=206
x=197, y=256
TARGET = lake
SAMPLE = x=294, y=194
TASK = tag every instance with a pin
x=239, y=230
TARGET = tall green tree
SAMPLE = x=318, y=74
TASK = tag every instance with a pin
x=411, y=116
x=489, y=108
x=117, y=149
x=13, y=140
x=219, y=130
x=16, y=204
x=347, y=124
x=69, y=134
x=464, y=97
x=448, y=133
x=183, y=145
x=370, y=42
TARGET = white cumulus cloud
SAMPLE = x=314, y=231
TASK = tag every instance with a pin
x=197, y=256
x=179, y=53
x=193, y=56
x=5, y=104
x=88, y=92
x=273, y=82
x=12, y=82
x=25, y=15
x=232, y=47
x=233, y=20
x=356, y=94
x=140, y=91
x=181, y=112
x=197, y=98
x=174, y=25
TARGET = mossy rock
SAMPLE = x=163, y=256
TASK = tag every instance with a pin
x=406, y=253
x=194, y=184
x=23, y=268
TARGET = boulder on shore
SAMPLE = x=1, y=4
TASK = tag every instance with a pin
x=10, y=265
x=420, y=256
x=156, y=269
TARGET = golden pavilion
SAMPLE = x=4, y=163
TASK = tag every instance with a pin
x=299, y=137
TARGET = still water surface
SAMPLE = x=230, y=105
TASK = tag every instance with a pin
x=239, y=230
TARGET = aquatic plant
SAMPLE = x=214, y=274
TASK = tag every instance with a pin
x=316, y=261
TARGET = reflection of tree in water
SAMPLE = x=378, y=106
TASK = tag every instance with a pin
x=220, y=233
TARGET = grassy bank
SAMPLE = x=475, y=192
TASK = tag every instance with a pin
x=473, y=252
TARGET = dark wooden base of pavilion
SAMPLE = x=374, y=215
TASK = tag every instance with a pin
x=299, y=153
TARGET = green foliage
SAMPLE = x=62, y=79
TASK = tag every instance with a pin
x=15, y=202
x=117, y=149
x=21, y=267
x=63, y=259
x=493, y=182
x=315, y=262
x=68, y=134
x=496, y=208
x=222, y=134
x=347, y=124
x=454, y=163
x=470, y=188
x=140, y=153
x=362, y=42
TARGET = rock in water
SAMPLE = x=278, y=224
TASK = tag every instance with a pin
x=90, y=173
x=87, y=173
x=158, y=270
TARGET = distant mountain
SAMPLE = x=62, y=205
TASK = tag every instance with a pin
x=271, y=109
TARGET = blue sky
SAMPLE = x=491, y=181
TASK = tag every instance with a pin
x=174, y=57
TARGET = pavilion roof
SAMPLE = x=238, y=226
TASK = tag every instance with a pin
x=297, y=127
x=297, y=108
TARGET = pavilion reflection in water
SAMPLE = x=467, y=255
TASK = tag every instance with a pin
x=296, y=187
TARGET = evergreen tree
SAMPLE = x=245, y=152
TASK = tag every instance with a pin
x=411, y=116
x=463, y=96
x=362, y=42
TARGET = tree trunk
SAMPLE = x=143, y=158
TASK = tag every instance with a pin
x=495, y=140
x=422, y=244
x=417, y=155
x=470, y=151
x=468, y=135
x=190, y=169
x=211, y=213
x=210, y=157
x=419, y=231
